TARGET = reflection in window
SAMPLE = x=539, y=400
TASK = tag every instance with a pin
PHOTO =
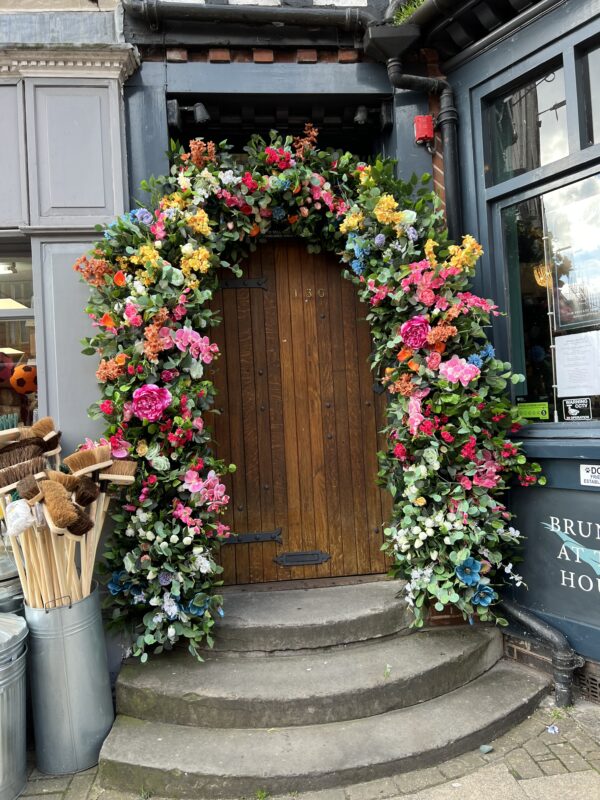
x=526, y=128
x=592, y=95
x=553, y=250
x=18, y=372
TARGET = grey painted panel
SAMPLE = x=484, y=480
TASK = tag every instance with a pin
x=67, y=382
x=48, y=27
x=338, y=79
x=147, y=136
x=412, y=158
x=13, y=197
x=74, y=151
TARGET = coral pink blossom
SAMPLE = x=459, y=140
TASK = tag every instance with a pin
x=107, y=407
x=465, y=482
x=198, y=423
x=150, y=401
x=458, y=370
x=433, y=360
x=426, y=296
x=414, y=332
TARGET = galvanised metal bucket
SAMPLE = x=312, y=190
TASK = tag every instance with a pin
x=13, y=756
x=70, y=686
x=11, y=597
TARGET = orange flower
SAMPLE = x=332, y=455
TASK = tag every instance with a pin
x=439, y=347
x=106, y=321
x=292, y=218
x=119, y=278
x=404, y=354
x=414, y=365
x=121, y=359
x=255, y=230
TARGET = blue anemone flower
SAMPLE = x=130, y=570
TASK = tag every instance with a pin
x=119, y=583
x=484, y=596
x=357, y=266
x=468, y=572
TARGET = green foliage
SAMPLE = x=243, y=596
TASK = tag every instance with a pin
x=406, y=10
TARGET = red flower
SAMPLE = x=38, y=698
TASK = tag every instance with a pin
x=119, y=278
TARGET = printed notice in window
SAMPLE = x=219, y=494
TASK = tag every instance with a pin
x=578, y=364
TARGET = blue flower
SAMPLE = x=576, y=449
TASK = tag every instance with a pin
x=380, y=240
x=119, y=582
x=487, y=351
x=279, y=214
x=194, y=610
x=468, y=572
x=357, y=266
x=484, y=596
x=142, y=215
x=412, y=233
x=475, y=359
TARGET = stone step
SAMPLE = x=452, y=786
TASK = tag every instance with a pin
x=361, y=680
x=299, y=619
x=161, y=759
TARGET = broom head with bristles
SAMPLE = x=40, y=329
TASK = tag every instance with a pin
x=70, y=482
x=86, y=492
x=28, y=487
x=10, y=476
x=58, y=503
x=122, y=473
x=18, y=452
x=82, y=525
x=92, y=460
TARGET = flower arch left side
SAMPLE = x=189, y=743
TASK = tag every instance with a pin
x=152, y=277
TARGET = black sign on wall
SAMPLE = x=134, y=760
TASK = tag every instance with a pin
x=561, y=565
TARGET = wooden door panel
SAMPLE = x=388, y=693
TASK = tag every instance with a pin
x=300, y=419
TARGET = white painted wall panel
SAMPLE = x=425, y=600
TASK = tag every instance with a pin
x=13, y=194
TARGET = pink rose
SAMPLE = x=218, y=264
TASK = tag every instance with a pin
x=433, y=360
x=150, y=401
x=414, y=332
x=198, y=423
x=426, y=296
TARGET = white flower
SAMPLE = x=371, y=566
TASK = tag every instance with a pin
x=202, y=564
x=187, y=540
x=158, y=244
x=169, y=605
x=184, y=182
x=158, y=618
x=171, y=633
x=154, y=601
x=174, y=538
x=229, y=178
x=187, y=249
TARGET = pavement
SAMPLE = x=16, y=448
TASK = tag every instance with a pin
x=552, y=755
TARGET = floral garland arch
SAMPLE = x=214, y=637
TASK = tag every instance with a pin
x=449, y=456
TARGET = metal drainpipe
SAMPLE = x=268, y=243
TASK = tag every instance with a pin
x=448, y=123
x=156, y=11
x=564, y=658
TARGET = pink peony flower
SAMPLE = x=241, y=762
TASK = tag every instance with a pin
x=414, y=332
x=107, y=407
x=400, y=452
x=426, y=296
x=150, y=401
x=458, y=370
x=198, y=423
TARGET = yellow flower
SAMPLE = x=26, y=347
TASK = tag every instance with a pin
x=364, y=175
x=429, y=249
x=420, y=501
x=174, y=200
x=352, y=222
x=386, y=210
x=198, y=261
x=146, y=255
x=198, y=222
x=141, y=448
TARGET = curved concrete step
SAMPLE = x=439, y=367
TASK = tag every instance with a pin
x=317, y=687
x=182, y=762
x=299, y=619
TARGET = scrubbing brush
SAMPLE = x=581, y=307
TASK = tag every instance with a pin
x=85, y=461
x=70, y=482
x=18, y=452
x=57, y=500
x=46, y=430
x=122, y=473
x=87, y=491
x=10, y=476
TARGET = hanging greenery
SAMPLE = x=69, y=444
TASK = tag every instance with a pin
x=152, y=278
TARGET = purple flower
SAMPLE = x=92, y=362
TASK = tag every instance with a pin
x=143, y=215
x=164, y=578
x=379, y=240
x=412, y=233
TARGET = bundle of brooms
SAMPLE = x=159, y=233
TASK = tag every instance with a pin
x=55, y=518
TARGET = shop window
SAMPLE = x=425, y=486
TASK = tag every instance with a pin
x=552, y=246
x=591, y=71
x=18, y=373
x=526, y=127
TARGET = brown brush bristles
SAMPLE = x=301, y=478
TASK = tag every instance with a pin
x=17, y=452
x=60, y=507
x=70, y=482
x=86, y=492
x=17, y=472
x=82, y=525
x=43, y=427
x=84, y=460
x=28, y=488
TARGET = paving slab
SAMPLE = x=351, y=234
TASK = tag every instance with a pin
x=492, y=783
x=570, y=786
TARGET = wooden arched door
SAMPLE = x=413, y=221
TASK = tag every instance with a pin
x=299, y=419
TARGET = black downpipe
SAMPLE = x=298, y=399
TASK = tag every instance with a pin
x=154, y=12
x=448, y=124
x=564, y=658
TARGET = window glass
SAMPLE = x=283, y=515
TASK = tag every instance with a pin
x=526, y=128
x=18, y=372
x=552, y=244
x=592, y=69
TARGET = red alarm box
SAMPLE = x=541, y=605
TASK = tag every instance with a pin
x=424, y=129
